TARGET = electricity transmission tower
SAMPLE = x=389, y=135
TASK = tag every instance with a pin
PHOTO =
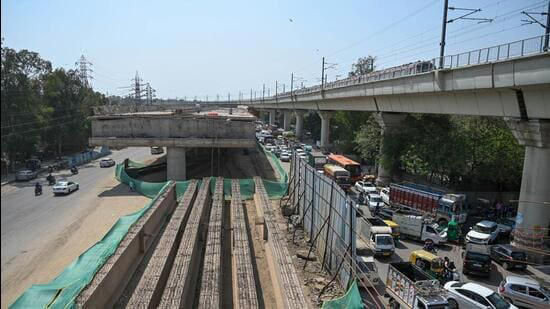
x=84, y=72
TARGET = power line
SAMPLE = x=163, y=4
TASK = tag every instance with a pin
x=40, y=128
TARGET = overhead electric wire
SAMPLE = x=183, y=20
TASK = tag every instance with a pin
x=40, y=128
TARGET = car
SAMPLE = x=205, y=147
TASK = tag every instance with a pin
x=367, y=271
x=509, y=257
x=365, y=186
x=24, y=175
x=64, y=187
x=385, y=195
x=484, y=232
x=524, y=292
x=157, y=150
x=302, y=156
x=476, y=260
x=374, y=201
x=506, y=225
x=285, y=157
x=106, y=162
x=466, y=295
x=385, y=213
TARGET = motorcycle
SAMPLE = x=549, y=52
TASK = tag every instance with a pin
x=430, y=247
x=37, y=191
x=51, y=180
x=74, y=170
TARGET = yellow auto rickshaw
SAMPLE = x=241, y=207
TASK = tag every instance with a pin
x=429, y=262
x=394, y=229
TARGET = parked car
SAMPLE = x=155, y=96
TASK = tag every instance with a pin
x=509, y=256
x=106, y=162
x=157, y=150
x=367, y=187
x=484, y=232
x=25, y=175
x=524, y=292
x=385, y=195
x=64, y=187
x=476, y=260
x=466, y=295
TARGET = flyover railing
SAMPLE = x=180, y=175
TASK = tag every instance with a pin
x=525, y=47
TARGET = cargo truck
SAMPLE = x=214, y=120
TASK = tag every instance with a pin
x=440, y=205
x=419, y=227
x=379, y=236
x=409, y=287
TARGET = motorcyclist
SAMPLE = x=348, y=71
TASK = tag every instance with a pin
x=429, y=246
x=50, y=178
x=37, y=188
x=74, y=169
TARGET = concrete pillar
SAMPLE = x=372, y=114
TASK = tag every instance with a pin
x=272, y=116
x=300, y=124
x=286, y=120
x=175, y=163
x=325, y=128
x=533, y=218
x=387, y=122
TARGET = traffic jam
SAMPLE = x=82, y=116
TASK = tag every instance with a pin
x=424, y=247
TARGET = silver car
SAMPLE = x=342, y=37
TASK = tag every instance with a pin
x=25, y=175
x=524, y=292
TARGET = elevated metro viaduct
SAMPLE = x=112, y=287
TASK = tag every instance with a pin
x=177, y=131
x=517, y=89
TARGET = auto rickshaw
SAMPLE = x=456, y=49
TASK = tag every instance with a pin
x=394, y=229
x=369, y=178
x=429, y=262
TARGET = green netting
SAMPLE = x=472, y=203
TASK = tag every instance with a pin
x=350, y=300
x=63, y=290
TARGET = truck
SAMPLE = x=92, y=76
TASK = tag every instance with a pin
x=419, y=227
x=316, y=159
x=443, y=206
x=407, y=286
x=379, y=236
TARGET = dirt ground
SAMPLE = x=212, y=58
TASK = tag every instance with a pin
x=84, y=232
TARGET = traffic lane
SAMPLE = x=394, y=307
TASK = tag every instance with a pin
x=26, y=218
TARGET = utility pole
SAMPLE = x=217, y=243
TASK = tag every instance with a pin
x=446, y=7
x=323, y=74
x=263, y=92
x=284, y=88
x=291, y=84
x=533, y=20
x=228, y=97
x=251, y=95
x=276, y=89
x=443, y=33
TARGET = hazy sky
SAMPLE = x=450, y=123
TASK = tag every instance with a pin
x=199, y=48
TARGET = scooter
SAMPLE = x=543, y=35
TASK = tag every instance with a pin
x=37, y=191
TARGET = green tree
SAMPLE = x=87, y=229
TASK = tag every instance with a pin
x=363, y=66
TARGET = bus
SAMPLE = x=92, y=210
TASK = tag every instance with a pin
x=351, y=166
x=338, y=174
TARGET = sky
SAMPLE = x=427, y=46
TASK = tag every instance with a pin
x=188, y=49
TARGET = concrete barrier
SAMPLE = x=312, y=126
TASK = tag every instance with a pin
x=109, y=282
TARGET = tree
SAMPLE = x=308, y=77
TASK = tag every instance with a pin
x=363, y=66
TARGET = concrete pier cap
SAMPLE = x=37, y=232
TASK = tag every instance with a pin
x=387, y=122
x=533, y=218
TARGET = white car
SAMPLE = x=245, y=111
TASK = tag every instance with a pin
x=365, y=186
x=64, y=187
x=484, y=232
x=285, y=157
x=469, y=295
x=374, y=201
x=385, y=195
x=106, y=162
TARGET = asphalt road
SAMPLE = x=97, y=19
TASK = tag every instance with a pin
x=26, y=217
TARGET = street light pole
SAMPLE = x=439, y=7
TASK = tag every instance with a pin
x=443, y=33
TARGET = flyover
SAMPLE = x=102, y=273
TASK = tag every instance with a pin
x=511, y=80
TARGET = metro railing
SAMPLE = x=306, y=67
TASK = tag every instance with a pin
x=525, y=47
